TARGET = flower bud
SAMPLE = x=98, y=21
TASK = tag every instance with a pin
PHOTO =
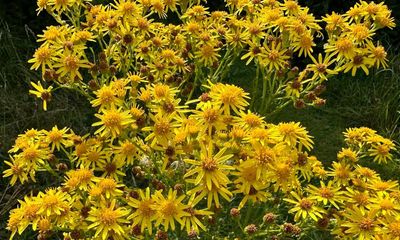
x=235, y=212
x=250, y=229
x=269, y=218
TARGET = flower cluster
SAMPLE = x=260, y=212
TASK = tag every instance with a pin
x=177, y=153
x=205, y=45
x=213, y=155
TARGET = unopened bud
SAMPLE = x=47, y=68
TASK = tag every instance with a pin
x=250, y=229
x=269, y=218
x=235, y=212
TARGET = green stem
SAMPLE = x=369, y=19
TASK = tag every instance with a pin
x=255, y=87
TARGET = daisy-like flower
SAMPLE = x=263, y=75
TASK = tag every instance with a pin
x=57, y=137
x=385, y=204
x=304, y=44
x=192, y=222
x=260, y=158
x=108, y=220
x=378, y=55
x=248, y=185
x=106, y=97
x=109, y=187
x=144, y=214
x=342, y=47
x=42, y=93
x=361, y=223
x=381, y=152
x=52, y=202
x=126, y=151
x=304, y=207
x=360, y=199
x=320, y=68
x=210, y=117
x=212, y=196
x=113, y=121
x=326, y=193
x=249, y=120
x=42, y=58
x=274, y=57
x=69, y=63
x=294, y=134
x=81, y=178
x=17, y=171
x=254, y=52
x=169, y=209
x=358, y=61
x=229, y=97
x=210, y=169
x=341, y=173
x=162, y=131
x=207, y=54
x=347, y=154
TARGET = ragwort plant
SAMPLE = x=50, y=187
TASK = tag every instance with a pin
x=168, y=162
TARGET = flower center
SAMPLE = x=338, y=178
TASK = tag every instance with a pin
x=108, y=217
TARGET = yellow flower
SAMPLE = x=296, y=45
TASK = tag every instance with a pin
x=106, y=97
x=201, y=192
x=229, y=97
x=356, y=62
x=343, y=47
x=381, y=152
x=274, y=57
x=93, y=156
x=158, y=6
x=162, y=130
x=304, y=207
x=348, y=154
x=42, y=93
x=81, y=179
x=359, y=199
x=109, y=187
x=210, y=117
x=144, y=214
x=57, y=137
x=254, y=52
x=248, y=184
x=52, y=202
x=378, y=55
x=126, y=152
x=304, y=44
x=361, y=223
x=113, y=121
x=210, y=169
x=17, y=171
x=326, y=193
x=385, y=204
x=192, y=221
x=108, y=220
x=341, y=173
x=43, y=57
x=381, y=186
x=127, y=9
x=68, y=63
x=320, y=68
x=294, y=134
x=169, y=209
x=60, y=5
x=207, y=54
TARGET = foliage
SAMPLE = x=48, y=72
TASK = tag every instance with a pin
x=164, y=163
